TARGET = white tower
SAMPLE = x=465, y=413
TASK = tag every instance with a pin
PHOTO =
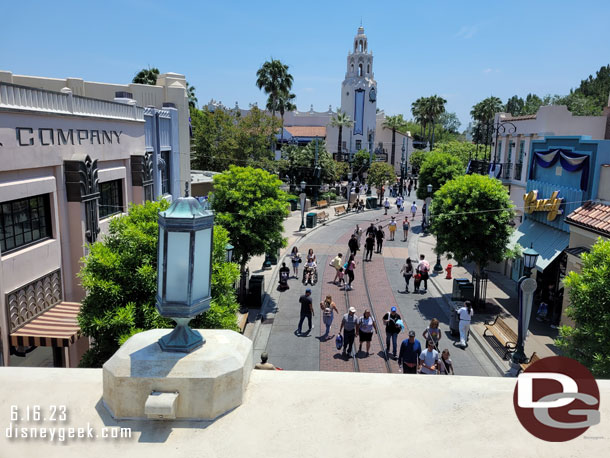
x=359, y=96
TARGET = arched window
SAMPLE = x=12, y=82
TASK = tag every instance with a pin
x=355, y=46
x=365, y=46
x=359, y=69
x=368, y=69
x=361, y=46
x=352, y=68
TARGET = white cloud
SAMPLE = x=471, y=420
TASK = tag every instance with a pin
x=487, y=71
x=467, y=32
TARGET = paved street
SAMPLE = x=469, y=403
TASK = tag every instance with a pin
x=385, y=289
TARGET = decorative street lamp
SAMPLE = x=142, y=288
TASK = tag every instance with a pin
x=229, y=249
x=303, y=198
x=402, y=167
x=500, y=128
x=349, y=189
x=428, y=202
x=525, y=289
x=184, y=270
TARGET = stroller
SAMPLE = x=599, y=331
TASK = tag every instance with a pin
x=310, y=275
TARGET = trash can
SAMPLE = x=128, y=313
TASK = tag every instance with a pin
x=293, y=204
x=454, y=320
x=256, y=291
x=456, y=294
x=312, y=220
x=371, y=202
x=467, y=291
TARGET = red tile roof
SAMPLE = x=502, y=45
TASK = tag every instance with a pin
x=518, y=118
x=306, y=131
x=592, y=215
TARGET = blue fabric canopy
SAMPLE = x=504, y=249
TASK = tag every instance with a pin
x=569, y=160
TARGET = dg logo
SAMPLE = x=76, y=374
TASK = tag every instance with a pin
x=557, y=399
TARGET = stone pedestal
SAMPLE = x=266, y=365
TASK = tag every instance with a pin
x=209, y=381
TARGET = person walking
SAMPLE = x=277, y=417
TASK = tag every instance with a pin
x=369, y=244
x=405, y=228
x=398, y=204
x=423, y=268
x=386, y=205
x=409, y=188
x=392, y=227
x=306, y=311
x=366, y=326
x=353, y=245
x=408, y=358
x=392, y=328
x=445, y=366
x=432, y=332
x=407, y=273
x=371, y=229
x=428, y=359
x=423, y=214
x=358, y=234
x=413, y=211
x=295, y=257
x=328, y=314
x=379, y=235
x=351, y=265
x=337, y=263
x=350, y=324
x=465, y=315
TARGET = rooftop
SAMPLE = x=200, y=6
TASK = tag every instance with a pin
x=306, y=131
x=592, y=215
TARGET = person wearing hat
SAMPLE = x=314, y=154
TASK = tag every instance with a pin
x=350, y=324
x=408, y=358
x=264, y=365
x=306, y=311
x=392, y=328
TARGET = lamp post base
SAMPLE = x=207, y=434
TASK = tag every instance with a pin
x=438, y=267
x=518, y=356
x=182, y=339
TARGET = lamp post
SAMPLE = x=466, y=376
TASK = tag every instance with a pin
x=229, y=250
x=303, y=198
x=316, y=173
x=525, y=289
x=184, y=270
x=428, y=202
x=500, y=128
x=349, y=189
x=402, y=167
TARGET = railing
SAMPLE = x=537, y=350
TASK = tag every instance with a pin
x=479, y=167
x=21, y=97
x=518, y=171
x=506, y=170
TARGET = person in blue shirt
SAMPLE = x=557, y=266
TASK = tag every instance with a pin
x=408, y=357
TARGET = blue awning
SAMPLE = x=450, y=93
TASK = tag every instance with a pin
x=547, y=241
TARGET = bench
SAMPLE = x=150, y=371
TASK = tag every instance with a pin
x=322, y=216
x=530, y=361
x=322, y=204
x=340, y=210
x=505, y=335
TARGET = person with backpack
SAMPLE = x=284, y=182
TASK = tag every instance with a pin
x=349, y=269
x=407, y=273
x=350, y=324
x=423, y=268
x=465, y=315
x=328, y=314
x=433, y=332
x=445, y=366
x=392, y=329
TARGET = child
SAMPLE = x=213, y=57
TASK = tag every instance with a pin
x=416, y=281
x=341, y=276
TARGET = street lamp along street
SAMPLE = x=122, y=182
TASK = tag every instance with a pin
x=303, y=198
x=525, y=290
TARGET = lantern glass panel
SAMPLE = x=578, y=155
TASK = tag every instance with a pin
x=160, y=263
x=177, y=266
x=201, y=268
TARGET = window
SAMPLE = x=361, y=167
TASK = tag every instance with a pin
x=148, y=192
x=511, y=145
x=359, y=69
x=358, y=145
x=521, y=150
x=165, y=173
x=24, y=221
x=500, y=150
x=111, y=198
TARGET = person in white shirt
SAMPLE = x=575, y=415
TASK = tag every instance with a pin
x=413, y=211
x=386, y=205
x=428, y=359
x=465, y=315
x=337, y=263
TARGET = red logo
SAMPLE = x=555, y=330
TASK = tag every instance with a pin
x=557, y=399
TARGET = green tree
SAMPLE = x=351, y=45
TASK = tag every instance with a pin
x=416, y=160
x=589, y=291
x=437, y=169
x=283, y=103
x=214, y=139
x=252, y=138
x=471, y=218
x=341, y=120
x=341, y=170
x=361, y=161
x=120, y=278
x=532, y=104
x=394, y=123
x=190, y=94
x=434, y=108
x=596, y=88
x=251, y=205
x=449, y=122
x=464, y=151
x=514, y=105
x=379, y=173
x=146, y=76
x=483, y=113
x=302, y=162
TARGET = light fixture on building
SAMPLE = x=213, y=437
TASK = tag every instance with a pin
x=184, y=270
x=429, y=187
x=229, y=249
x=530, y=256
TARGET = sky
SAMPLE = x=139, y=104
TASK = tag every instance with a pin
x=462, y=50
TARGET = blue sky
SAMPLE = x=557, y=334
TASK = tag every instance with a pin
x=463, y=50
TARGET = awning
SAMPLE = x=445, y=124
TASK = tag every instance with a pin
x=55, y=327
x=547, y=241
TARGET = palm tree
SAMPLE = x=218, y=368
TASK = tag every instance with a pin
x=146, y=76
x=484, y=113
x=395, y=123
x=190, y=93
x=341, y=120
x=435, y=107
x=283, y=103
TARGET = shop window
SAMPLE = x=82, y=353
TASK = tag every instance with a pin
x=148, y=192
x=111, y=198
x=24, y=222
x=165, y=173
x=358, y=145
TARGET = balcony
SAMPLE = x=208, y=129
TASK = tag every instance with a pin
x=506, y=171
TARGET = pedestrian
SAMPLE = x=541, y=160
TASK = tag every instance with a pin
x=306, y=311
x=379, y=235
x=358, y=234
x=424, y=270
x=402, y=205
x=264, y=365
x=423, y=213
x=351, y=265
x=366, y=326
x=311, y=255
x=405, y=228
x=295, y=256
x=337, y=263
x=398, y=204
x=349, y=323
x=445, y=366
x=309, y=271
x=341, y=279
x=465, y=316
x=416, y=282
x=392, y=227
x=371, y=229
x=369, y=244
x=328, y=314
x=386, y=205
x=409, y=188
x=407, y=273
x=392, y=328
x=432, y=332
x=408, y=358
x=353, y=244
x=428, y=359
x=413, y=211
x=284, y=274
